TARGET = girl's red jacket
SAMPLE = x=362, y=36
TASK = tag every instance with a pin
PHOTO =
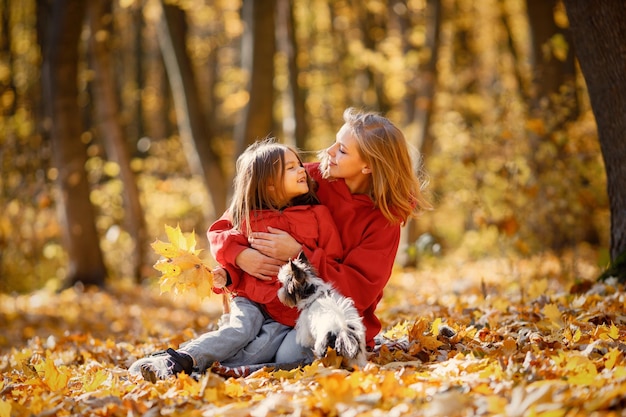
x=311, y=226
x=370, y=243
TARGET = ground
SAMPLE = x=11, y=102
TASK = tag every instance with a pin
x=501, y=336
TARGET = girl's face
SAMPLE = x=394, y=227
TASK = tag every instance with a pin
x=345, y=162
x=294, y=177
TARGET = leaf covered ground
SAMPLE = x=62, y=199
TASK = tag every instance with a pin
x=498, y=337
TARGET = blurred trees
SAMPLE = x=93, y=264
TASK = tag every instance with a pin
x=484, y=90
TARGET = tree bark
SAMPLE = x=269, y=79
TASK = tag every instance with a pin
x=598, y=32
x=257, y=51
x=552, y=85
x=287, y=42
x=422, y=112
x=373, y=29
x=106, y=103
x=194, y=133
x=59, y=82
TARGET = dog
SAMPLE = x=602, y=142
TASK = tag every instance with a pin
x=327, y=318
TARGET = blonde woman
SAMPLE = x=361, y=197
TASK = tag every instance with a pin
x=368, y=181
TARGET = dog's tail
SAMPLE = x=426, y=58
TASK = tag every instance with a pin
x=347, y=343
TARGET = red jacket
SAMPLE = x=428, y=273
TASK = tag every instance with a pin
x=311, y=226
x=369, y=242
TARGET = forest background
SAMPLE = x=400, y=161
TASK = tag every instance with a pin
x=166, y=96
x=119, y=117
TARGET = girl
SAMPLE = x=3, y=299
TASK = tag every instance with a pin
x=271, y=189
x=369, y=183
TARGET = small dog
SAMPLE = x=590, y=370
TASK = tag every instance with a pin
x=327, y=318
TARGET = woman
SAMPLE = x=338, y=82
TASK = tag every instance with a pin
x=368, y=182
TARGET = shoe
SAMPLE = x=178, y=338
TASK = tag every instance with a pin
x=162, y=365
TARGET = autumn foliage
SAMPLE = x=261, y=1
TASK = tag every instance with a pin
x=181, y=268
x=501, y=337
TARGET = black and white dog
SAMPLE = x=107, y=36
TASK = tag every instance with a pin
x=327, y=318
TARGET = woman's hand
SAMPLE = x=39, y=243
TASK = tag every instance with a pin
x=276, y=244
x=257, y=264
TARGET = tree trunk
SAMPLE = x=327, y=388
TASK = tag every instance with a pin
x=598, y=32
x=107, y=119
x=287, y=42
x=59, y=82
x=373, y=29
x=257, y=51
x=194, y=133
x=423, y=108
x=553, y=79
x=156, y=94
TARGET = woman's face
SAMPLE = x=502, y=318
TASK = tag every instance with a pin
x=345, y=162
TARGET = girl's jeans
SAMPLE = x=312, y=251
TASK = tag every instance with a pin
x=247, y=322
x=248, y=337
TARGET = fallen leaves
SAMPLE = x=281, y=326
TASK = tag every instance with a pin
x=490, y=350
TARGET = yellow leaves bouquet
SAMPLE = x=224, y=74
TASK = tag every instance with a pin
x=181, y=267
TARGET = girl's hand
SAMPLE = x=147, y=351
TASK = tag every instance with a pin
x=258, y=265
x=219, y=277
x=276, y=244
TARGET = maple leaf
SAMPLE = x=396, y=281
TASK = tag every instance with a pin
x=552, y=312
x=54, y=378
x=418, y=334
x=92, y=382
x=182, y=269
x=5, y=408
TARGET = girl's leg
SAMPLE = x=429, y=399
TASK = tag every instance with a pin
x=245, y=321
x=288, y=355
x=263, y=348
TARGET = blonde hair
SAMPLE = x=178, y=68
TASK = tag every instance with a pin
x=395, y=187
x=260, y=166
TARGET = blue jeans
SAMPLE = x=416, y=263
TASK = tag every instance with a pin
x=275, y=344
x=246, y=323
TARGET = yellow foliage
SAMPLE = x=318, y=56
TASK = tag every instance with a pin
x=514, y=361
x=5, y=408
x=91, y=382
x=54, y=378
x=552, y=312
x=182, y=269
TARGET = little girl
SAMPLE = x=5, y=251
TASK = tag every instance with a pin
x=271, y=189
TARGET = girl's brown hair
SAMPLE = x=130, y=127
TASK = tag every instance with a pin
x=260, y=166
x=396, y=188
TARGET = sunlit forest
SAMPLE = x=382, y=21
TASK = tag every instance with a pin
x=143, y=107
x=513, y=162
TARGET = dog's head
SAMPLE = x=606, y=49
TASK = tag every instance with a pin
x=298, y=279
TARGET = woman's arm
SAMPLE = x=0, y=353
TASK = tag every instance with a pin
x=364, y=270
x=276, y=244
x=258, y=265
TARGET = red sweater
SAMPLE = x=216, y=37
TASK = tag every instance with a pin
x=369, y=241
x=311, y=226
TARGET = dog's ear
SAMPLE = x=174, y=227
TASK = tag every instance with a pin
x=293, y=267
x=302, y=257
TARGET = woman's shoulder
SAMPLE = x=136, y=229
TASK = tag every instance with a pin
x=313, y=168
